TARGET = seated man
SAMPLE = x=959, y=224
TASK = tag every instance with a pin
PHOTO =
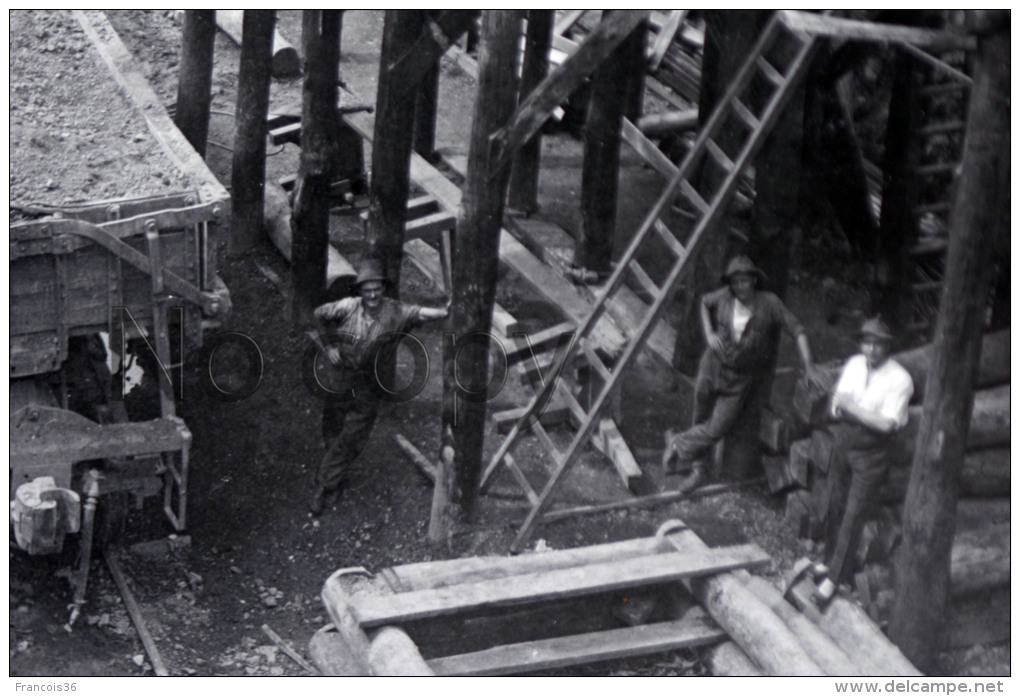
x=741, y=325
x=870, y=402
x=359, y=327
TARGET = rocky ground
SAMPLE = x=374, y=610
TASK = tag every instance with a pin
x=256, y=557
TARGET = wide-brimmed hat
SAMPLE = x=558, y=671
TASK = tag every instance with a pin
x=875, y=328
x=742, y=264
x=370, y=270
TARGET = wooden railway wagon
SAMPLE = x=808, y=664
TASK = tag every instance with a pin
x=140, y=264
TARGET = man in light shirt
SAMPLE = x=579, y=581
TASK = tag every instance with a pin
x=870, y=404
x=742, y=325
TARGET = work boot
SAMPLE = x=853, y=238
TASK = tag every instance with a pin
x=696, y=478
x=668, y=453
x=318, y=501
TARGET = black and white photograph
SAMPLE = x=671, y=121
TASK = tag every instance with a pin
x=510, y=342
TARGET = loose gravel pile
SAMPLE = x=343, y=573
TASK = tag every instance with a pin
x=74, y=135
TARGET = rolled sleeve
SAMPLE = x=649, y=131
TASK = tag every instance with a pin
x=895, y=406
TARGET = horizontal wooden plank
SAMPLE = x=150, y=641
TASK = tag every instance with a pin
x=579, y=649
x=555, y=584
x=429, y=226
x=843, y=28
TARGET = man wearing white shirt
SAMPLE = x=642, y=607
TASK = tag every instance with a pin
x=870, y=404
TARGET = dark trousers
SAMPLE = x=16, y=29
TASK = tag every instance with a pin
x=347, y=421
x=720, y=397
x=858, y=469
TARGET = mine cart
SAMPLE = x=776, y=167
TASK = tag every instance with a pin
x=85, y=279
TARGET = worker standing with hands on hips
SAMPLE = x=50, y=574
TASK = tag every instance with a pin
x=741, y=324
x=359, y=327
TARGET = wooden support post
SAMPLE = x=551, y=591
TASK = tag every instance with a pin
x=195, y=78
x=600, y=169
x=978, y=230
x=475, y=270
x=320, y=36
x=391, y=146
x=897, y=228
x=425, y=108
x=632, y=54
x=523, y=193
x=248, y=171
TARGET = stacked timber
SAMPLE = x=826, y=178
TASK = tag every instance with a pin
x=980, y=558
x=538, y=611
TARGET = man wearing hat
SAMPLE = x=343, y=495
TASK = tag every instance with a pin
x=870, y=404
x=359, y=327
x=741, y=325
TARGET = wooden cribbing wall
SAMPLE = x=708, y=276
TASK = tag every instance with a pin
x=541, y=611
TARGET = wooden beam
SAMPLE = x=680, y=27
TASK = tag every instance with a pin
x=416, y=457
x=665, y=38
x=841, y=28
x=648, y=150
x=435, y=38
x=568, y=21
x=429, y=226
x=551, y=653
x=530, y=115
x=555, y=584
x=616, y=449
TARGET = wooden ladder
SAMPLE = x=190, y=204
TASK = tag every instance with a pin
x=939, y=142
x=773, y=68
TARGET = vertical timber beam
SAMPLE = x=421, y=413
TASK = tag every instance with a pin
x=248, y=170
x=523, y=193
x=899, y=192
x=391, y=146
x=475, y=270
x=425, y=108
x=729, y=35
x=633, y=56
x=978, y=229
x=601, y=165
x=320, y=38
x=198, y=39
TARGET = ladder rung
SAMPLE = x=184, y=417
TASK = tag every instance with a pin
x=938, y=207
x=547, y=441
x=946, y=127
x=769, y=71
x=521, y=480
x=666, y=236
x=929, y=286
x=691, y=194
x=745, y=115
x=718, y=155
x=643, y=278
x=939, y=168
x=932, y=246
x=595, y=362
x=943, y=87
